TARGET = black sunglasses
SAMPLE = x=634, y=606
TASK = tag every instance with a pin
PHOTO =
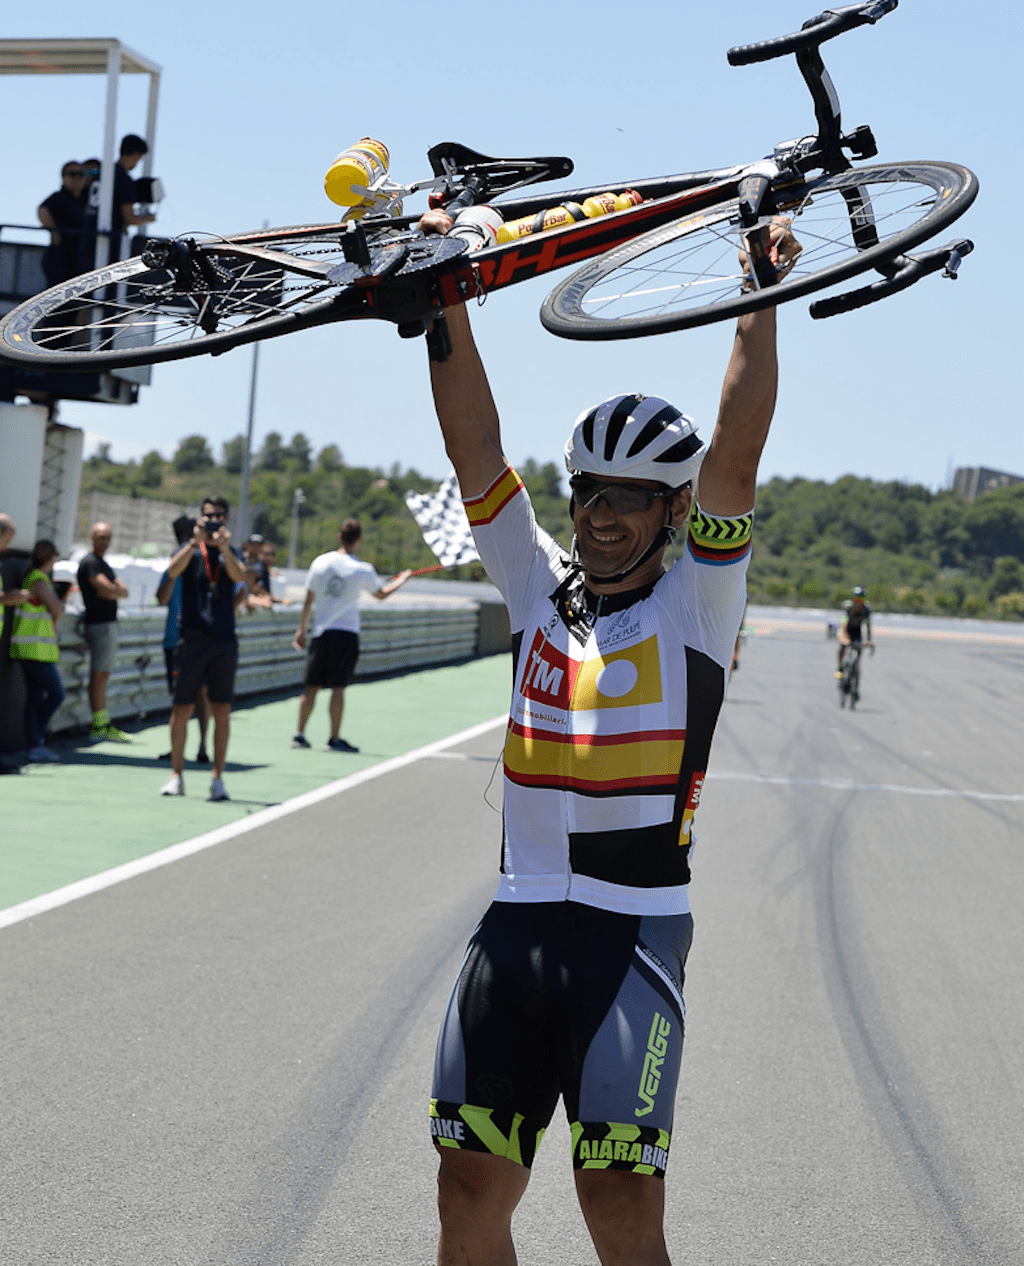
x=620, y=498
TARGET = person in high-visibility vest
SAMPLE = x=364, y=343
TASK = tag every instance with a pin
x=34, y=643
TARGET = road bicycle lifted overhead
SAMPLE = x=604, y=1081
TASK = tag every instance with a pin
x=669, y=260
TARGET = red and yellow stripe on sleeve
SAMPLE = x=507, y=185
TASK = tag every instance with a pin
x=488, y=505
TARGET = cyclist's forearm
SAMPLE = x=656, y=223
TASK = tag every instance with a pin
x=466, y=409
x=728, y=477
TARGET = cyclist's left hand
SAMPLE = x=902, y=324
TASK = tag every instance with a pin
x=783, y=250
x=783, y=246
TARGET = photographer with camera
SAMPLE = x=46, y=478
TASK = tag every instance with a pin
x=207, y=650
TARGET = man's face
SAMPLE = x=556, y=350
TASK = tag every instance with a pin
x=609, y=540
x=130, y=161
x=268, y=554
x=214, y=516
x=100, y=539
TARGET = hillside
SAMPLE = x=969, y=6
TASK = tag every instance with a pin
x=912, y=549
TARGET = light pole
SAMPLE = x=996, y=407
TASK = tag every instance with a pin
x=298, y=496
x=243, y=505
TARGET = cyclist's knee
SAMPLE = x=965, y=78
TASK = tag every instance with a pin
x=476, y=1185
x=624, y=1213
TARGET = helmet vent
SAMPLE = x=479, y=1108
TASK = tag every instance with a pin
x=681, y=451
x=617, y=422
x=588, y=430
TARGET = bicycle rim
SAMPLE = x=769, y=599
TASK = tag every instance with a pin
x=688, y=274
x=134, y=313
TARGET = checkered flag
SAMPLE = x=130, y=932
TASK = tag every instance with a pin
x=442, y=520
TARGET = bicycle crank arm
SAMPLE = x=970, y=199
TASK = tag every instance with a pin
x=906, y=270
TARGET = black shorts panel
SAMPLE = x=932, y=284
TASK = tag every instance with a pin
x=169, y=665
x=332, y=658
x=561, y=998
x=201, y=660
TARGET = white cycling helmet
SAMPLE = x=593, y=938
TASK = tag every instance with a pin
x=635, y=437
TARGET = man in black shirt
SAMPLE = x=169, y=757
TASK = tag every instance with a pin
x=856, y=627
x=123, y=213
x=100, y=591
x=63, y=213
x=207, y=650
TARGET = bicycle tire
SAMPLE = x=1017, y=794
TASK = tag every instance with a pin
x=687, y=273
x=132, y=313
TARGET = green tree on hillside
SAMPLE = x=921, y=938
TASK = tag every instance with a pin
x=193, y=453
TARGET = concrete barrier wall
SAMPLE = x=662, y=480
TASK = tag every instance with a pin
x=393, y=637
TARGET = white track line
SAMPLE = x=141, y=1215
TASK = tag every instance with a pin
x=106, y=879
x=844, y=784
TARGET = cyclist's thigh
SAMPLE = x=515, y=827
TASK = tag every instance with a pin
x=621, y=1053
x=495, y=1075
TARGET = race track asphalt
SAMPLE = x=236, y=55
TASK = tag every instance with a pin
x=225, y=1061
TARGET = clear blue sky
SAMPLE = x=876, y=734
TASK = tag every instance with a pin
x=257, y=99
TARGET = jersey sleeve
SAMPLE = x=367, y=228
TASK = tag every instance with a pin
x=521, y=559
x=710, y=581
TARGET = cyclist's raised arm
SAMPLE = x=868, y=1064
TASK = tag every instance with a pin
x=462, y=397
x=728, y=476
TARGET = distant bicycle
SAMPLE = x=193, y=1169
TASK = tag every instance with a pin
x=849, y=680
x=668, y=262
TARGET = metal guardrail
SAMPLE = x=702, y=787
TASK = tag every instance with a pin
x=398, y=637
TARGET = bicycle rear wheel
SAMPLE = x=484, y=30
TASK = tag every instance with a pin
x=688, y=274
x=183, y=298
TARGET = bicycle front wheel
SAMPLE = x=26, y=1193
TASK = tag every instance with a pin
x=186, y=298
x=688, y=273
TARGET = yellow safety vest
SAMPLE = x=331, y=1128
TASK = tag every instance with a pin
x=33, y=636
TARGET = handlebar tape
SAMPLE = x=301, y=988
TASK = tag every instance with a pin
x=825, y=26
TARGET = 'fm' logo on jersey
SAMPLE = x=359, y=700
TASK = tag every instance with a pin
x=650, y=1076
x=692, y=801
x=549, y=674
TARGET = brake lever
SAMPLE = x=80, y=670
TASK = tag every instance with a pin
x=905, y=271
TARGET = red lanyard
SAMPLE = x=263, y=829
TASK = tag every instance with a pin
x=206, y=559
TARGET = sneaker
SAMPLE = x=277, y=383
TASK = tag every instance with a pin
x=340, y=745
x=300, y=740
x=217, y=791
x=43, y=756
x=201, y=757
x=117, y=736
x=174, y=786
x=97, y=733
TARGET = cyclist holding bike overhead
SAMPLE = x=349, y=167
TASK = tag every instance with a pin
x=856, y=624
x=572, y=983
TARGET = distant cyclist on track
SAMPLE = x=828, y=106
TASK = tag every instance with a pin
x=572, y=982
x=856, y=625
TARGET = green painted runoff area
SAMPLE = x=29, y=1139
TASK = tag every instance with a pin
x=100, y=807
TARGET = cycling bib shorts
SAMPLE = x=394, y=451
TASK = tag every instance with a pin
x=564, y=998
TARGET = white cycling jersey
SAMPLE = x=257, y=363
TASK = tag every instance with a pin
x=613, y=708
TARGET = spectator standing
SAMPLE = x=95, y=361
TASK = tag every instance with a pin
x=123, y=213
x=63, y=213
x=169, y=594
x=100, y=591
x=207, y=650
x=268, y=557
x=333, y=586
x=34, y=643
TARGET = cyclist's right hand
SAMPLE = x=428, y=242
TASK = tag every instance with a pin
x=435, y=221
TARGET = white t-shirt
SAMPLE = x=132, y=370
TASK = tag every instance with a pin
x=336, y=581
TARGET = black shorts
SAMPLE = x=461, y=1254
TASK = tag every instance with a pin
x=203, y=660
x=169, y=665
x=332, y=658
x=561, y=998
